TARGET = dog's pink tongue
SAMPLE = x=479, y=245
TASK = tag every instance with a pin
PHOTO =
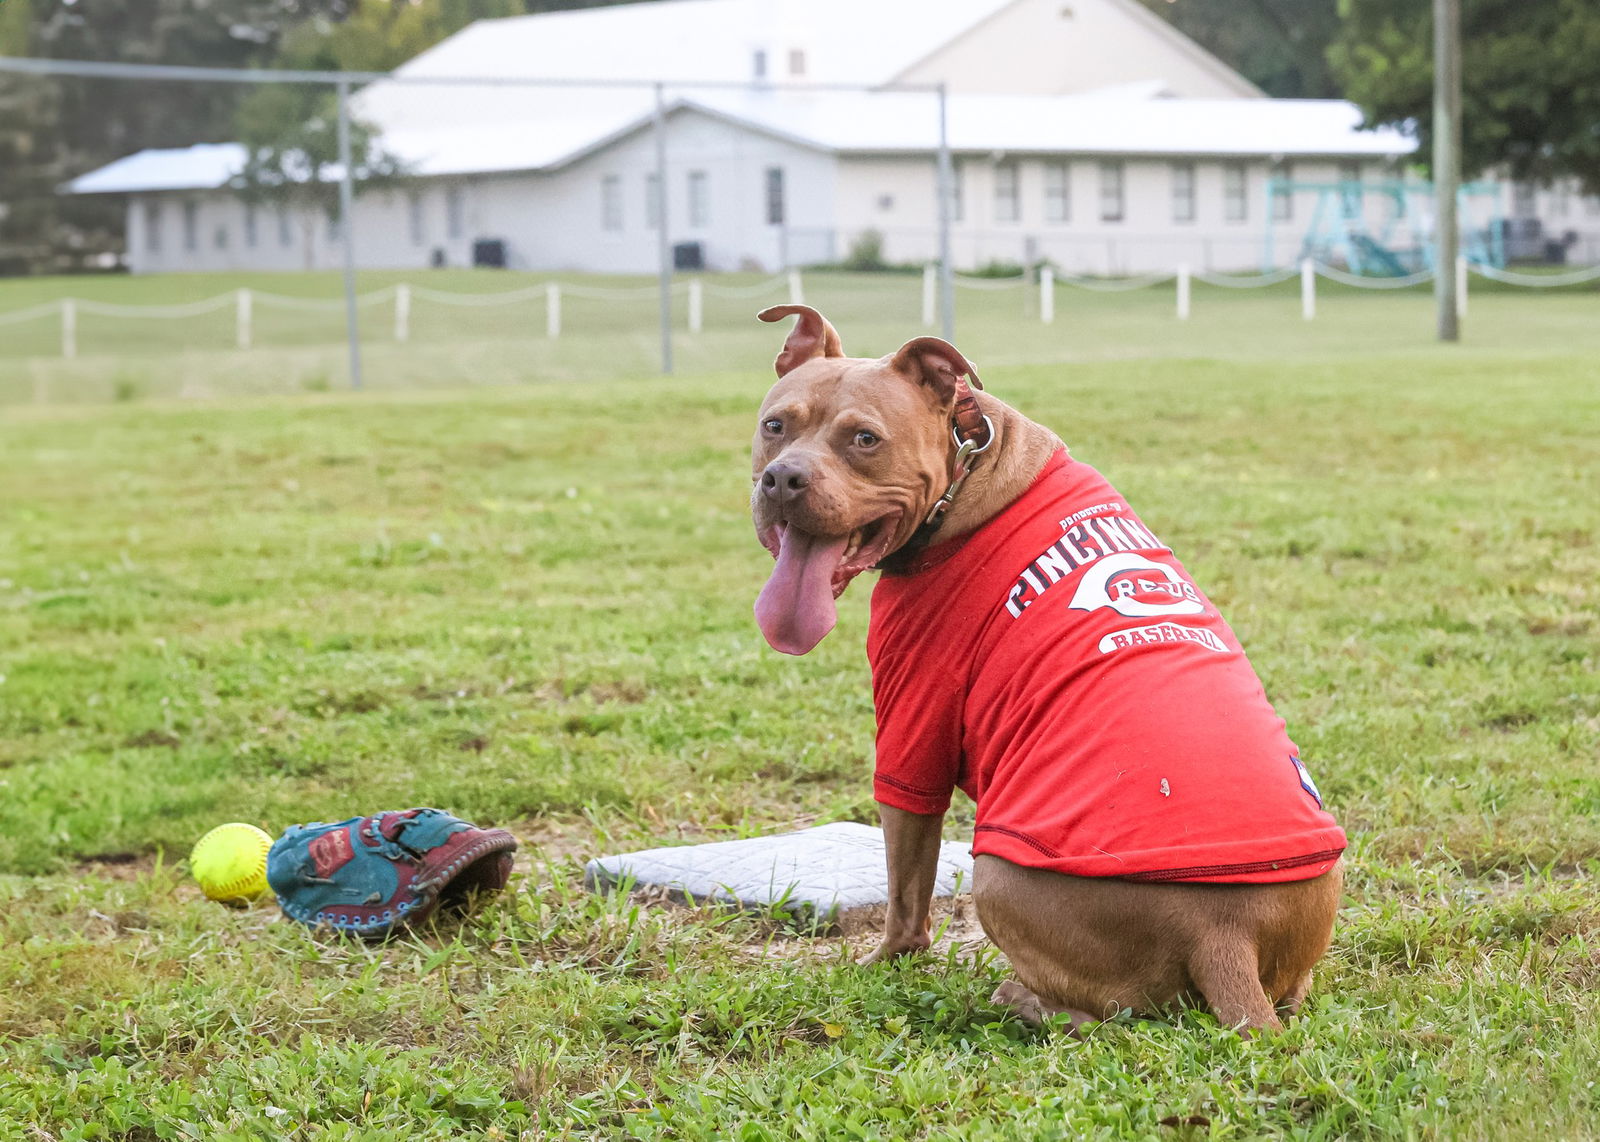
x=795, y=609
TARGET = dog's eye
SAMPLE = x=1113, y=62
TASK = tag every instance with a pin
x=865, y=439
x=773, y=427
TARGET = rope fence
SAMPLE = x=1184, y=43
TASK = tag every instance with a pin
x=402, y=296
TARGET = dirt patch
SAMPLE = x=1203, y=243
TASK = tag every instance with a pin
x=118, y=866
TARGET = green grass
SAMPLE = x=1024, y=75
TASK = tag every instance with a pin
x=531, y=604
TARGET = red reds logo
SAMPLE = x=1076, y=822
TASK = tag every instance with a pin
x=1136, y=587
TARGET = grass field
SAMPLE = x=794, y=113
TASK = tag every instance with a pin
x=603, y=339
x=530, y=604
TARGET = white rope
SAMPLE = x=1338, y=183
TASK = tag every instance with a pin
x=772, y=283
x=1117, y=285
x=990, y=283
x=1240, y=281
x=318, y=304
x=159, y=312
x=600, y=293
x=1541, y=281
x=17, y=316
x=1362, y=281
x=506, y=297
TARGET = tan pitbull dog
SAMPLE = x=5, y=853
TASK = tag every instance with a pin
x=850, y=457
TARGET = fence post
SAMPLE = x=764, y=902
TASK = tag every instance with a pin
x=1047, y=295
x=552, y=310
x=797, y=295
x=1183, y=292
x=69, y=327
x=242, y=325
x=696, y=305
x=930, y=293
x=402, y=312
x=1308, y=288
x=1461, y=286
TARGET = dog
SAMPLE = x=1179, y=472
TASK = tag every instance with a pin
x=1146, y=831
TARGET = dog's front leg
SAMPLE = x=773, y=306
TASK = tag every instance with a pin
x=912, y=844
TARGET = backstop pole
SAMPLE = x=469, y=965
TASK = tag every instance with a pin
x=945, y=177
x=1446, y=163
x=663, y=241
x=347, y=234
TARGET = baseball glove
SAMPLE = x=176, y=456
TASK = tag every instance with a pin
x=372, y=876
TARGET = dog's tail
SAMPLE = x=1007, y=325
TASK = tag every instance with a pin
x=1226, y=969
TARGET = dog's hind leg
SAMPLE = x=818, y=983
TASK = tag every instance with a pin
x=1225, y=969
x=1032, y=1010
x=1289, y=1003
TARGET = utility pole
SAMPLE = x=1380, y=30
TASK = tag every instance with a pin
x=347, y=234
x=1446, y=163
x=945, y=180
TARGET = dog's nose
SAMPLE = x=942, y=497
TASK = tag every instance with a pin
x=783, y=479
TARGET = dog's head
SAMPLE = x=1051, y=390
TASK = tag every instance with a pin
x=850, y=455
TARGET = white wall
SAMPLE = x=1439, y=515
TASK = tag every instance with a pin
x=1050, y=47
x=1147, y=238
x=548, y=221
x=554, y=221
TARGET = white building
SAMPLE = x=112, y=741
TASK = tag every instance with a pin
x=1087, y=132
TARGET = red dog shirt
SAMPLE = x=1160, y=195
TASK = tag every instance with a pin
x=1059, y=666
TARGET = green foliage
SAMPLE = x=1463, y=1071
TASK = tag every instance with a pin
x=1530, y=80
x=866, y=253
x=1279, y=45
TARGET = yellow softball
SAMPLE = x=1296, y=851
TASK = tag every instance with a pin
x=230, y=863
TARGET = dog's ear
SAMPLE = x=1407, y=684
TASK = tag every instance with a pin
x=812, y=336
x=936, y=363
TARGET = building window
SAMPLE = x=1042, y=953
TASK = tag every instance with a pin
x=416, y=220
x=1523, y=202
x=152, y=226
x=1561, y=198
x=775, y=211
x=797, y=62
x=1057, y=193
x=1183, y=192
x=758, y=64
x=652, y=201
x=219, y=237
x=1283, y=197
x=885, y=203
x=285, y=230
x=1007, y=198
x=191, y=225
x=1591, y=205
x=455, y=212
x=699, y=199
x=611, y=202
x=1350, y=191
x=1235, y=192
x=1111, y=192
x=958, y=197
x=250, y=225
x=333, y=228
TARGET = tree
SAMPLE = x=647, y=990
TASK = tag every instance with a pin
x=52, y=129
x=1279, y=45
x=1530, y=81
x=291, y=143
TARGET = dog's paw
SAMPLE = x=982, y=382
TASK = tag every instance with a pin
x=893, y=949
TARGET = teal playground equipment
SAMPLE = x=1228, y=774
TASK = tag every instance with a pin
x=1380, y=229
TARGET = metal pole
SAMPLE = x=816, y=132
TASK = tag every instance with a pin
x=664, y=243
x=347, y=234
x=1446, y=162
x=946, y=187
